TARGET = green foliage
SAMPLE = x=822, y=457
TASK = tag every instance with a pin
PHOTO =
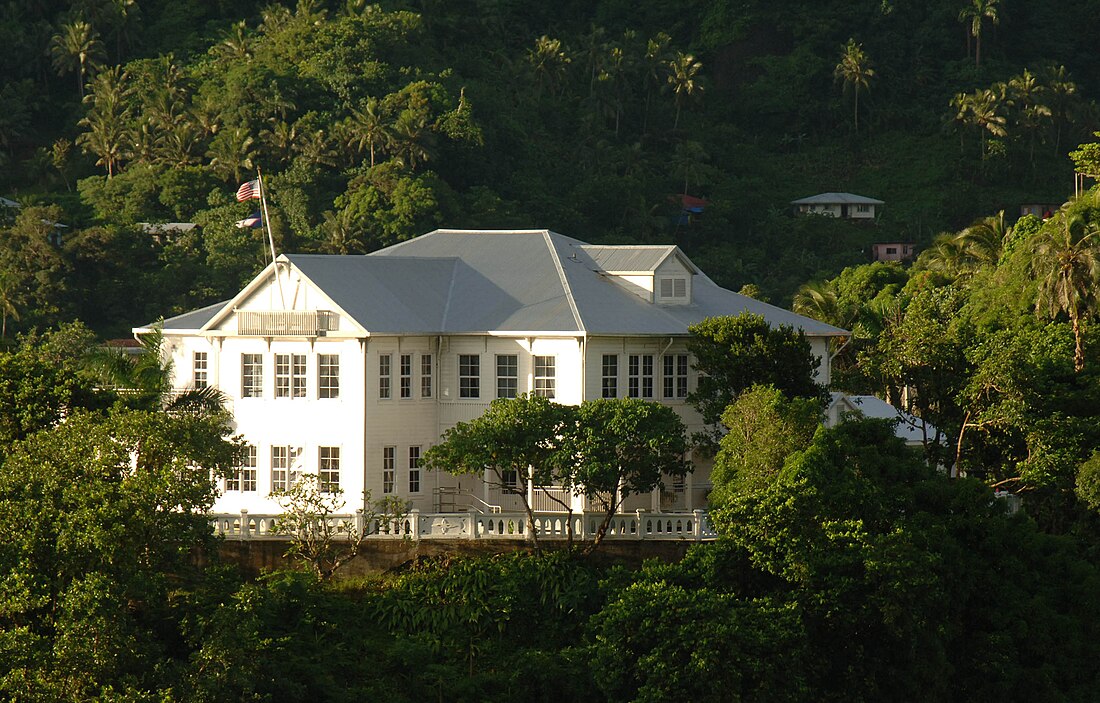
x=734, y=353
x=764, y=428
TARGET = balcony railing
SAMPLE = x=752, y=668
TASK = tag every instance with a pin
x=286, y=323
x=637, y=526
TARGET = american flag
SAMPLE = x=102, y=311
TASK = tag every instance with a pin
x=249, y=191
x=252, y=221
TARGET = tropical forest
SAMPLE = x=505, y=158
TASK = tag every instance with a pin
x=848, y=565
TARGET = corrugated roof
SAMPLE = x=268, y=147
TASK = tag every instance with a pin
x=194, y=319
x=837, y=199
x=461, y=281
x=628, y=258
x=909, y=428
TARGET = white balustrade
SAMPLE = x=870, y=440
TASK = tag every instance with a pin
x=416, y=525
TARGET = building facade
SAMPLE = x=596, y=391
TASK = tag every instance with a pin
x=351, y=367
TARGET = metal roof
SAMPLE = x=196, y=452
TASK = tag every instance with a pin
x=517, y=281
x=910, y=428
x=192, y=320
x=629, y=258
x=837, y=199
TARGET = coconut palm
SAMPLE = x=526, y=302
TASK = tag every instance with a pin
x=818, y=299
x=231, y=153
x=855, y=71
x=1066, y=263
x=975, y=14
x=76, y=48
x=106, y=133
x=983, y=241
x=368, y=130
x=550, y=61
x=683, y=78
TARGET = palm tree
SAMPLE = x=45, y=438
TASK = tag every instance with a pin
x=1029, y=97
x=231, y=153
x=76, y=47
x=550, y=61
x=107, y=135
x=976, y=13
x=683, y=77
x=983, y=109
x=1066, y=262
x=368, y=130
x=983, y=241
x=235, y=46
x=818, y=299
x=855, y=71
x=411, y=139
x=1062, y=98
x=655, y=66
x=144, y=381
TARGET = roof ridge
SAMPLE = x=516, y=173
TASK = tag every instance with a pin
x=564, y=281
x=450, y=293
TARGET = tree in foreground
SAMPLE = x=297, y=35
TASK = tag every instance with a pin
x=733, y=354
x=515, y=442
x=621, y=447
x=101, y=519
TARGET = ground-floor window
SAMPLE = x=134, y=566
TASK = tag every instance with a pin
x=328, y=468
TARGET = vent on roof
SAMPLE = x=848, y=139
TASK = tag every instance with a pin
x=672, y=289
x=289, y=323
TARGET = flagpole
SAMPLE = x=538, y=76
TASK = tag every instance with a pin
x=270, y=237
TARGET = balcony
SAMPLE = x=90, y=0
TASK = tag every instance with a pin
x=286, y=323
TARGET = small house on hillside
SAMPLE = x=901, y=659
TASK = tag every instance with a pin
x=1041, y=210
x=915, y=431
x=893, y=251
x=163, y=232
x=844, y=205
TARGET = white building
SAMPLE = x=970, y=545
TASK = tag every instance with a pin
x=352, y=366
x=843, y=205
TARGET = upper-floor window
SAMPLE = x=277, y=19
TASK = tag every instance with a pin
x=252, y=375
x=469, y=376
x=610, y=376
x=199, y=370
x=389, y=455
x=673, y=288
x=414, y=469
x=425, y=375
x=545, y=376
x=290, y=375
x=328, y=468
x=328, y=375
x=406, y=382
x=507, y=375
x=675, y=380
x=384, y=379
x=285, y=466
x=640, y=376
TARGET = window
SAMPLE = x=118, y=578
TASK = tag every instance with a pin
x=610, y=376
x=406, y=376
x=383, y=376
x=640, y=376
x=507, y=375
x=244, y=478
x=414, y=469
x=328, y=468
x=290, y=375
x=863, y=208
x=469, y=376
x=544, y=376
x=673, y=288
x=328, y=375
x=200, y=379
x=425, y=375
x=509, y=480
x=675, y=381
x=891, y=250
x=252, y=375
x=388, y=465
x=284, y=466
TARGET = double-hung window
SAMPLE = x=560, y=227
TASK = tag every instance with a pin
x=199, y=369
x=425, y=375
x=284, y=466
x=610, y=376
x=507, y=375
x=545, y=376
x=244, y=478
x=406, y=387
x=675, y=377
x=384, y=370
x=328, y=468
x=414, y=469
x=290, y=375
x=252, y=375
x=640, y=376
x=328, y=375
x=469, y=376
x=389, y=456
